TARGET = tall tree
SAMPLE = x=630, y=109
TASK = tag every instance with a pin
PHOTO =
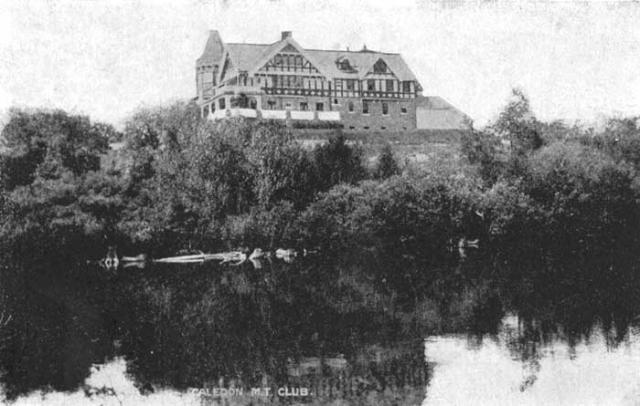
x=518, y=124
x=48, y=143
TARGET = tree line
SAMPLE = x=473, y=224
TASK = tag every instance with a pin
x=520, y=184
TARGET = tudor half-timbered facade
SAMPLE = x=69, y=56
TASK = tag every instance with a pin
x=363, y=90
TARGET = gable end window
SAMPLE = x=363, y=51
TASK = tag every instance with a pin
x=380, y=67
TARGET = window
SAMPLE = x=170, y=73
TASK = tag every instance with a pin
x=403, y=110
x=365, y=107
x=319, y=106
x=242, y=78
x=344, y=65
x=287, y=105
x=351, y=84
x=304, y=106
x=385, y=108
x=350, y=107
x=222, y=104
x=335, y=101
x=380, y=67
x=271, y=104
x=406, y=86
x=371, y=85
x=389, y=85
x=205, y=111
x=383, y=128
x=366, y=127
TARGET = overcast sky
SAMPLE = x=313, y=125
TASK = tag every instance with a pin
x=575, y=60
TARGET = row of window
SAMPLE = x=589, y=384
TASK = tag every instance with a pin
x=366, y=127
x=350, y=85
x=304, y=106
x=375, y=85
x=366, y=108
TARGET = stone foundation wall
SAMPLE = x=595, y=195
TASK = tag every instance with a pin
x=375, y=120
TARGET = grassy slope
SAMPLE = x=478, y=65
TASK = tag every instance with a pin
x=414, y=146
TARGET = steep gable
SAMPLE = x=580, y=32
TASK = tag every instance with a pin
x=287, y=45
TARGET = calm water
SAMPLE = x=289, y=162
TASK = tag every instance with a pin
x=363, y=330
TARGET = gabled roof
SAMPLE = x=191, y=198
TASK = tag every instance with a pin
x=273, y=49
x=363, y=62
x=251, y=57
x=434, y=112
x=435, y=103
x=246, y=56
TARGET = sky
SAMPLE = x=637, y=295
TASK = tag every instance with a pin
x=574, y=60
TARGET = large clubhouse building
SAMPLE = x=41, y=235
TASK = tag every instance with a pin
x=358, y=90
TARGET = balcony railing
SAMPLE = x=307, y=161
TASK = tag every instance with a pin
x=253, y=88
x=274, y=114
x=302, y=115
x=238, y=89
x=297, y=92
x=328, y=115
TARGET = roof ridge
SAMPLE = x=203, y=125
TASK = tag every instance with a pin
x=316, y=49
x=352, y=52
x=251, y=43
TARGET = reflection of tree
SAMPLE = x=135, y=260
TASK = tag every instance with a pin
x=339, y=326
x=567, y=300
x=57, y=331
x=248, y=327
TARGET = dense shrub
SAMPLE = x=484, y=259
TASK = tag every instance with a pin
x=523, y=185
x=386, y=165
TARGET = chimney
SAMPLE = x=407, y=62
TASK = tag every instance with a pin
x=286, y=34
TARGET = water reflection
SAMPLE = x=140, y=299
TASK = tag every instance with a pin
x=349, y=329
x=325, y=328
x=590, y=372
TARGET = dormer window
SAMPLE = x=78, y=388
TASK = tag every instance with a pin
x=344, y=65
x=380, y=67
